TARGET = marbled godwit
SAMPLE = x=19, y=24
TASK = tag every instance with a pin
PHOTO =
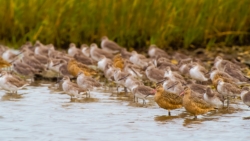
x=167, y=100
x=193, y=104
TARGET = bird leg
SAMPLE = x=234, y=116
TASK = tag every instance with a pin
x=195, y=117
x=125, y=90
x=169, y=113
x=227, y=103
x=117, y=87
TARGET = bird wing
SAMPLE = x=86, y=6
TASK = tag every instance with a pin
x=172, y=98
x=146, y=90
x=199, y=102
x=112, y=45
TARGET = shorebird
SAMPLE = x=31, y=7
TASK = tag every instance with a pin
x=163, y=63
x=103, y=63
x=142, y=92
x=24, y=69
x=41, y=49
x=119, y=78
x=198, y=72
x=109, y=72
x=83, y=59
x=213, y=98
x=139, y=60
x=235, y=73
x=245, y=96
x=131, y=81
x=184, y=67
x=85, y=50
x=75, y=67
x=167, y=100
x=33, y=62
x=11, y=83
x=197, y=88
x=193, y=104
x=172, y=86
x=155, y=52
x=96, y=53
x=72, y=89
x=4, y=63
x=118, y=62
x=220, y=64
x=9, y=56
x=73, y=50
x=174, y=75
x=125, y=54
x=110, y=46
x=227, y=90
x=153, y=74
x=86, y=82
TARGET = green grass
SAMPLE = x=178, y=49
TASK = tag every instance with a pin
x=132, y=23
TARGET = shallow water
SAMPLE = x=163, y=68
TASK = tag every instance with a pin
x=40, y=112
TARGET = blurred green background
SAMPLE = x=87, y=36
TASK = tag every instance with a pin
x=131, y=23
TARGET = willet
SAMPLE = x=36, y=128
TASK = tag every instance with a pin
x=138, y=60
x=155, y=52
x=142, y=92
x=155, y=75
x=97, y=53
x=110, y=46
x=72, y=89
x=73, y=50
x=83, y=59
x=174, y=75
x=245, y=96
x=85, y=50
x=198, y=72
x=86, y=82
x=220, y=64
x=213, y=98
x=103, y=63
x=11, y=83
x=24, y=69
x=227, y=90
x=167, y=100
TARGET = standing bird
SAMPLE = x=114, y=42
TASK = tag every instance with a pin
x=142, y=92
x=167, y=100
x=72, y=89
x=193, y=104
x=110, y=46
x=213, y=98
x=11, y=83
x=198, y=72
x=86, y=82
x=227, y=90
x=245, y=96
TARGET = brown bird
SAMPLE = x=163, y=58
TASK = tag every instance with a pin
x=83, y=59
x=118, y=61
x=167, y=100
x=193, y=104
x=4, y=63
x=75, y=67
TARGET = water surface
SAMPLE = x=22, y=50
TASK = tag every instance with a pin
x=40, y=112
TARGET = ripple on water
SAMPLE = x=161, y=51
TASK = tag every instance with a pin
x=44, y=112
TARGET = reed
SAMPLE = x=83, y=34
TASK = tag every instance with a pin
x=137, y=23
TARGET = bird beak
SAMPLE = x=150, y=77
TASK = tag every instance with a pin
x=182, y=93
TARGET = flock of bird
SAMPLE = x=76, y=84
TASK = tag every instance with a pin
x=175, y=81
